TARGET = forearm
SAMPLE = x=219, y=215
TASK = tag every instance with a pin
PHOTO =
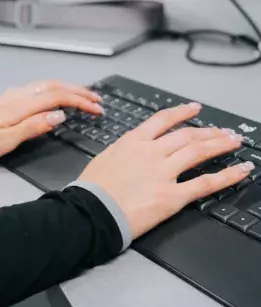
x=53, y=239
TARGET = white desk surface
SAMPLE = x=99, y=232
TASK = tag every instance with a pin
x=131, y=280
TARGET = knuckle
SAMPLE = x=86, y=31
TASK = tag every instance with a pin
x=187, y=133
x=199, y=150
x=164, y=114
x=215, y=131
x=57, y=96
x=52, y=84
x=207, y=183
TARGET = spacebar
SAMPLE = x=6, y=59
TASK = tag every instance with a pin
x=76, y=140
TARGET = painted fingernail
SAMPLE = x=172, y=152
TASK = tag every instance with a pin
x=96, y=96
x=195, y=105
x=247, y=167
x=99, y=109
x=228, y=131
x=236, y=137
x=55, y=118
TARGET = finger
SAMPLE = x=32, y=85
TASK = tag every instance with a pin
x=50, y=85
x=177, y=140
x=211, y=183
x=164, y=120
x=199, y=152
x=20, y=109
x=36, y=125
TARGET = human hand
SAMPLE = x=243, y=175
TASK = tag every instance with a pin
x=140, y=170
x=27, y=112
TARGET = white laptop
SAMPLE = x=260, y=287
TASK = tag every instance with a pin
x=75, y=27
x=100, y=42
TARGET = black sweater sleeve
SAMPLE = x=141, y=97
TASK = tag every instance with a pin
x=51, y=240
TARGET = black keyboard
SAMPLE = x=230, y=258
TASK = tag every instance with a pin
x=128, y=103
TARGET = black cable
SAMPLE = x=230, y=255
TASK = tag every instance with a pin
x=247, y=40
x=247, y=17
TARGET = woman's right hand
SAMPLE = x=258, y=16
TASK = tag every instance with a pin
x=140, y=170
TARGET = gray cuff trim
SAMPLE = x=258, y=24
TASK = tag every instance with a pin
x=112, y=206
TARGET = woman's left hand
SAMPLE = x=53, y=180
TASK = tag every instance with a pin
x=28, y=112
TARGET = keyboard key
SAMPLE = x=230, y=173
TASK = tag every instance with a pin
x=92, y=132
x=220, y=195
x=242, y=221
x=116, y=128
x=91, y=120
x=104, y=122
x=250, y=155
x=255, y=231
x=139, y=111
x=106, y=138
x=248, y=141
x=205, y=203
x=142, y=101
x=120, y=103
x=70, y=113
x=130, y=96
x=58, y=130
x=117, y=115
x=242, y=184
x=155, y=105
x=210, y=124
x=118, y=92
x=133, y=109
x=81, y=127
x=231, y=162
x=72, y=124
x=84, y=115
x=145, y=114
x=223, y=213
x=255, y=209
x=255, y=174
x=81, y=142
x=197, y=122
x=134, y=123
x=257, y=146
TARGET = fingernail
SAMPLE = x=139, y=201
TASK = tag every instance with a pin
x=55, y=118
x=96, y=96
x=99, y=109
x=228, y=131
x=236, y=137
x=247, y=167
x=195, y=105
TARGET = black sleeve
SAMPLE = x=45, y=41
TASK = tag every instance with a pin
x=51, y=240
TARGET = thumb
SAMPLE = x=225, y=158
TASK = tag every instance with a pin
x=37, y=125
